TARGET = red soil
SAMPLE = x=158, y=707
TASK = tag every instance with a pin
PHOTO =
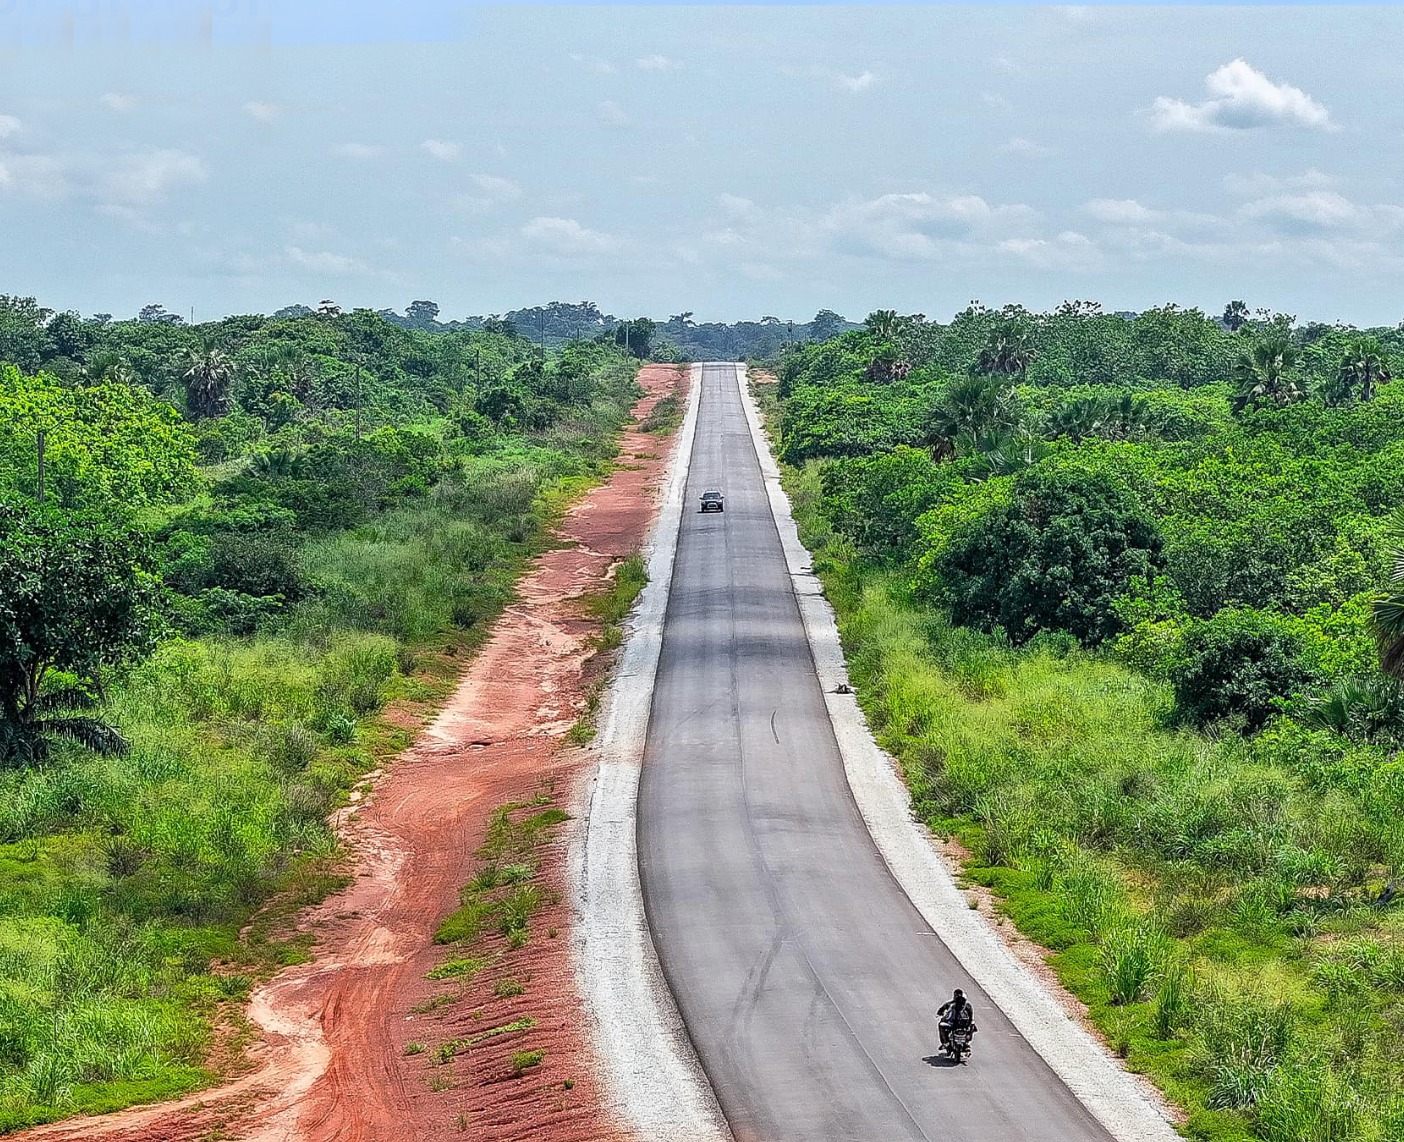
x=331, y=1061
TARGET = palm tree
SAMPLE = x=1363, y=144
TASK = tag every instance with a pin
x=208, y=374
x=1235, y=316
x=1363, y=367
x=1008, y=352
x=883, y=324
x=970, y=407
x=1387, y=616
x=1000, y=451
x=1110, y=417
x=28, y=729
x=1265, y=377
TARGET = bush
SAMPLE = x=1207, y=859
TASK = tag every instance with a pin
x=1237, y=665
x=1055, y=557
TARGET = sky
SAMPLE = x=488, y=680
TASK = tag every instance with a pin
x=733, y=162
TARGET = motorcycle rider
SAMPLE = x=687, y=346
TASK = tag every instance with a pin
x=955, y=1012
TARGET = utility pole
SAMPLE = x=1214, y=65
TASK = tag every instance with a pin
x=358, y=402
x=40, y=440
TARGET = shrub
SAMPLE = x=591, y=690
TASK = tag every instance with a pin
x=1055, y=557
x=1236, y=665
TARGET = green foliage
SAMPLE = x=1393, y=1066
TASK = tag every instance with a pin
x=105, y=444
x=1237, y=665
x=75, y=601
x=1054, y=557
x=1223, y=903
x=301, y=569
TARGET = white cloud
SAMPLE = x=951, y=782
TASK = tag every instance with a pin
x=118, y=101
x=1321, y=212
x=497, y=187
x=441, y=150
x=919, y=225
x=857, y=83
x=1258, y=184
x=1069, y=250
x=565, y=237
x=360, y=151
x=611, y=114
x=1241, y=98
x=141, y=179
x=1119, y=211
x=735, y=206
x=1005, y=64
x=323, y=261
x=263, y=112
x=9, y=125
x=1026, y=147
x=997, y=101
x=658, y=63
x=594, y=63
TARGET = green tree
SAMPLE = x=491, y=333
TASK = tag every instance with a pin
x=75, y=601
x=208, y=374
x=1364, y=367
x=1055, y=556
x=826, y=324
x=1388, y=614
x=1236, y=666
x=1235, y=316
x=971, y=406
x=1266, y=375
x=106, y=443
x=1009, y=352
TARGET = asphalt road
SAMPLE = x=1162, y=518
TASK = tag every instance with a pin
x=807, y=980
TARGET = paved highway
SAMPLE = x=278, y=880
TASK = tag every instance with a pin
x=807, y=980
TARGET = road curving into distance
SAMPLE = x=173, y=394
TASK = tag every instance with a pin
x=807, y=980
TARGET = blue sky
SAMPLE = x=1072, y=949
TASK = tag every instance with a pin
x=730, y=161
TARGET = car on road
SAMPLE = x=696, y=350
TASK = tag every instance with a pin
x=713, y=502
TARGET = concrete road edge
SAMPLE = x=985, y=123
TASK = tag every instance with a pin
x=652, y=1077
x=1113, y=1095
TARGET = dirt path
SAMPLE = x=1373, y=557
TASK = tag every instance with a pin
x=332, y=1061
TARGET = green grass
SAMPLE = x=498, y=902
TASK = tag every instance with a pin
x=611, y=607
x=664, y=416
x=500, y=898
x=1167, y=872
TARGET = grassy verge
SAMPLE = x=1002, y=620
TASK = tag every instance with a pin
x=611, y=607
x=1219, y=904
x=665, y=416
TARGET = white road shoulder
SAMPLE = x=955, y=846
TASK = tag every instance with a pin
x=652, y=1077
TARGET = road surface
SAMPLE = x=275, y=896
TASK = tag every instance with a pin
x=807, y=980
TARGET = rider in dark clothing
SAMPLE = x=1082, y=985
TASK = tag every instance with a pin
x=956, y=1012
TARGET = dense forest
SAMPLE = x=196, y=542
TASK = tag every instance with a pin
x=223, y=548
x=1123, y=596
x=679, y=338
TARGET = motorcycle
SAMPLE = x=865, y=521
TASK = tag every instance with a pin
x=958, y=1042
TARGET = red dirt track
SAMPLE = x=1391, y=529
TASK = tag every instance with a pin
x=331, y=1063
